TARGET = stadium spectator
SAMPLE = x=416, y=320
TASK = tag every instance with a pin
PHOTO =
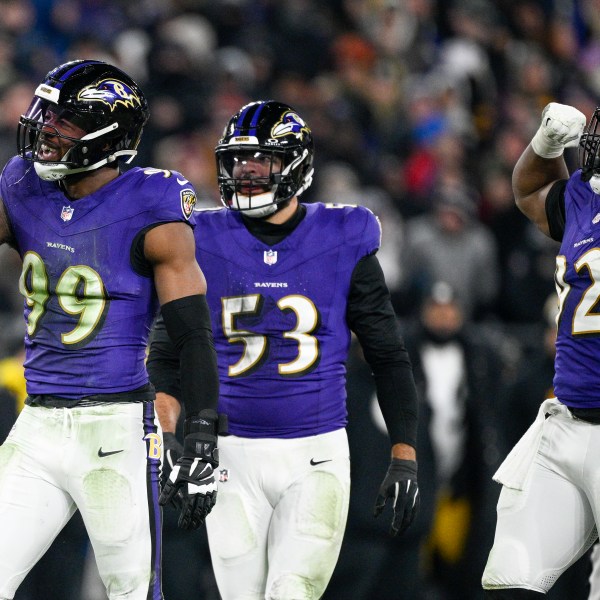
x=458, y=374
x=450, y=244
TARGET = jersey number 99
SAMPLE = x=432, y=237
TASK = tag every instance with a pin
x=79, y=290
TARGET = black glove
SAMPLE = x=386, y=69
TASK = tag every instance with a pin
x=191, y=484
x=172, y=451
x=400, y=483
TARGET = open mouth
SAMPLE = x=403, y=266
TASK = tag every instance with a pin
x=48, y=152
x=251, y=190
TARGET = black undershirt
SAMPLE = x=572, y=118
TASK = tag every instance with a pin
x=272, y=233
x=555, y=210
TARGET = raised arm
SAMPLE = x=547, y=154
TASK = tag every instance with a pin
x=542, y=163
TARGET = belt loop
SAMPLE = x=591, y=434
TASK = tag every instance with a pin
x=67, y=421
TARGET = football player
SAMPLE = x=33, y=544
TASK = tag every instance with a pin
x=550, y=500
x=287, y=284
x=101, y=248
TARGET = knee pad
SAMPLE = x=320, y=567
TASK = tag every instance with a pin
x=321, y=509
x=292, y=587
x=107, y=520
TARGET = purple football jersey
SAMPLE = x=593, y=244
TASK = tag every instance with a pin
x=279, y=317
x=577, y=364
x=87, y=311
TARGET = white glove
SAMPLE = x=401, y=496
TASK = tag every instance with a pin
x=561, y=128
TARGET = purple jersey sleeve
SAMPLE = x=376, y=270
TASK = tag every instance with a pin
x=87, y=311
x=279, y=317
x=577, y=362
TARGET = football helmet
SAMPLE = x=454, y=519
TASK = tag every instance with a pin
x=589, y=152
x=273, y=136
x=96, y=97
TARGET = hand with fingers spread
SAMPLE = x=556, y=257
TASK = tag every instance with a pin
x=191, y=485
x=400, y=485
x=561, y=128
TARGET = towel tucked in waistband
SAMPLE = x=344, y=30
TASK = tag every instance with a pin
x=514, y=469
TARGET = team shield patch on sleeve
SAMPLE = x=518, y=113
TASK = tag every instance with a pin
x=188, y=201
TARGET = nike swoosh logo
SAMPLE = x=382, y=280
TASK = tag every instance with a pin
x=182, y=181
x=314, y=462
x=101, y=453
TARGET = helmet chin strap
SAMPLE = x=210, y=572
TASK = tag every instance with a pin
x=58, y=170
x=263, y=204
x=275, y=209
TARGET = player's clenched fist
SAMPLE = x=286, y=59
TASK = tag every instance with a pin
x=561, y=127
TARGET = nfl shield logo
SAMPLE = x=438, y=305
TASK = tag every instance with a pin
x=223, y=475
x=270, y=257
x=66, y=213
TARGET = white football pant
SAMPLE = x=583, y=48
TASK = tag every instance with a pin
x=544, y=528
x=103, y=460
x=277, y=527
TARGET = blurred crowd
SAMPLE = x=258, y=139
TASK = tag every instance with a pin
x=419, y=110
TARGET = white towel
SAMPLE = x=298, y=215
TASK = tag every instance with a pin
x=514, y=469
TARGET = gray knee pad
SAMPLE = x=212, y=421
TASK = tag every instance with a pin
x=292, y=587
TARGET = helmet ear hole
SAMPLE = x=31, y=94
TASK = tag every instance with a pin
x=265, y=128
x=96, y=97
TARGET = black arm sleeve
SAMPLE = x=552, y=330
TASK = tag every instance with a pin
x=163, y=361
x=555, y=210
x=187, y=323
x=371, y=316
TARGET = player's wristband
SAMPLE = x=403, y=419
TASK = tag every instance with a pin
x=544, y=147
x=200, y=435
